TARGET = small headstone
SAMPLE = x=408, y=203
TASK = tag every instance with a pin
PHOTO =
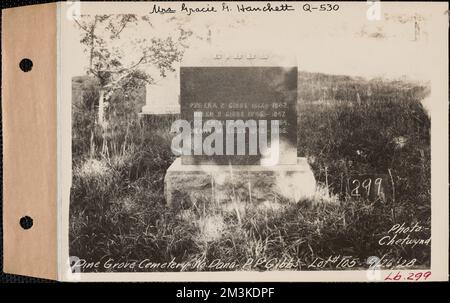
x=162, y=97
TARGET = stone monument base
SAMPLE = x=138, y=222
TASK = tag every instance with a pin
x=188, y=186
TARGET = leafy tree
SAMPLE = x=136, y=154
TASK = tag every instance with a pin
x=119, y=56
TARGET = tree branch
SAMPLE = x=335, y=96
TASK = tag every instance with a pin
x=81, y=26
x=119, y=31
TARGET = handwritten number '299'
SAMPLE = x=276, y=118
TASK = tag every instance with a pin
x=366, y=185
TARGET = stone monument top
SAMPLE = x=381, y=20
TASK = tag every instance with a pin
x=237, y=57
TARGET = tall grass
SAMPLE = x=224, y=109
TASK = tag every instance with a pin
x=345, y=126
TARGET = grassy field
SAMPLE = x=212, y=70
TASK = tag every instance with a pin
x=346, y=126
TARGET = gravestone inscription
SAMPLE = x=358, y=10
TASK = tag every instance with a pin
x=260, y=98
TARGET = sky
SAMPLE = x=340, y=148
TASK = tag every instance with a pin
x=342, y=43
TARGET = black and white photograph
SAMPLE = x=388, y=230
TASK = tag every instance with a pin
x=249, y=138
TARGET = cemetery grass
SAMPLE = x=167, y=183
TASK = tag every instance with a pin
x=118, y=211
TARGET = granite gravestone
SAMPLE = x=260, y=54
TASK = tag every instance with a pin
x=259, y=92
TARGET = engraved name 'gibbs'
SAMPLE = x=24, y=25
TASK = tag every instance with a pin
x=190, y=140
